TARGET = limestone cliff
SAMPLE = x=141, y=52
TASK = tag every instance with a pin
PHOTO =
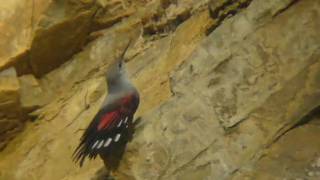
x=230, y=88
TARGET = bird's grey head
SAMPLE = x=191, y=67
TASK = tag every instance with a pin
x=116, y=74
x=116, y=71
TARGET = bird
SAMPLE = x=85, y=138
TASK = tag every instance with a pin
x=112, y=127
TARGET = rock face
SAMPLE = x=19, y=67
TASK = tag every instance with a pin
x=227, y=88
x=234, y=96
x=291, y=157
x=10, y=110
x=17, y=22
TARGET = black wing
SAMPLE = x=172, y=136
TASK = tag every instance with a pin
x=112, y=126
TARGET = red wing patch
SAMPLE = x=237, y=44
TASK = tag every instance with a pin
x=126, y=104
x=124, y=109
x=127, y=100
x=107, y=119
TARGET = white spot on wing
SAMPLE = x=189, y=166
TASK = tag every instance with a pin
x=107, y=142
x=117, y=137
x=126, y=120
x=120, y=123
x=95, y=144
x=100, y=144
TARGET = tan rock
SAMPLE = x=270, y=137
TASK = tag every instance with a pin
x=164, y=57
x=46, y=42
x=10, y=110
x=112, y=12
x=31, y=93
x=212, y=131
x=54, y=44
x=9, y=92
x=18, y=18
x=7, y=124
x=9, y=128
x=210, y=105
x=290, y=156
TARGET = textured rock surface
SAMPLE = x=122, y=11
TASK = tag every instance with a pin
x=236, y=95
x=220, y=84
x=294, y=156
x=31, y=93
x=18, y=18
x=9, y=92
x=10, y=110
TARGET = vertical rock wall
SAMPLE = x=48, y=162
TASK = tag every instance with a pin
x=221, y=81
